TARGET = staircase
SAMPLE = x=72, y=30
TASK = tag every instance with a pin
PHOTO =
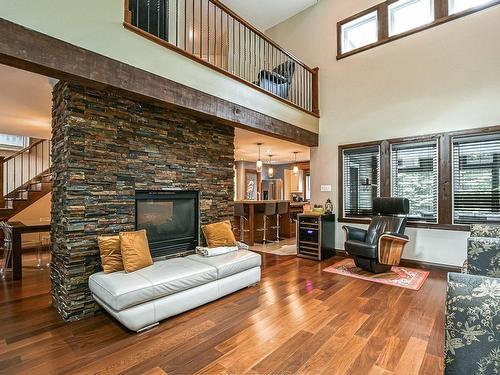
x=26, y=177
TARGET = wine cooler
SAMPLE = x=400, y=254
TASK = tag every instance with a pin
x=315, y=236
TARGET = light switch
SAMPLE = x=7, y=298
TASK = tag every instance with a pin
x=326, y=187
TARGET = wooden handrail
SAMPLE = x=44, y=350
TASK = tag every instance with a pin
x=27, y=148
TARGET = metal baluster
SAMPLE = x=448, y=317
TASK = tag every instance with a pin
x=193, y=28
x=185, y=25
x=221, y=39
x=228, y=42
x=158, y=18
x=215, y=35
x=149, y=16
x=234, y=45
x=208, y=31
x=200, y=36
x=167, y=21
x=239, y=49
x=245, y=52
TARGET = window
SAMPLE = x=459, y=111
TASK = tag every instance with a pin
x=405, y=15
x=476, y=179
x=360, y=32
x=394, y=19
x=10, y=142
x=414, y=175
x=361, y=180
x=456, y=6
x=308, y=186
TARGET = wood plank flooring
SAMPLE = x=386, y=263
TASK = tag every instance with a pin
x=298, y=320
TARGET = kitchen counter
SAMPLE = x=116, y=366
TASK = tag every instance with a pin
x=256, y=221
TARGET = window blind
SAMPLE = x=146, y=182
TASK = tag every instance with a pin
x=414, y=175
x=476, y=167
x=361, y=175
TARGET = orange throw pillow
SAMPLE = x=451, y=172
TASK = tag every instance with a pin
x=135, y=250
x=111, y=254
x=219, y=234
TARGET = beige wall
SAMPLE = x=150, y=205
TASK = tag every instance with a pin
x=445, y=78
x=34, y=214
x=97, y=25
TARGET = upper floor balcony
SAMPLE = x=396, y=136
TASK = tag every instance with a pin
x=210, y=33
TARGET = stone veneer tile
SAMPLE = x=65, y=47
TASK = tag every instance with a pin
x=105, y=147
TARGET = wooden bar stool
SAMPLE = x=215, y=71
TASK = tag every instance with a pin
x=268, y=211
x=241, y=211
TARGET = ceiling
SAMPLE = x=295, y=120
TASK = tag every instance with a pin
x=246, y=148
x=267, y=13
x=26, y=103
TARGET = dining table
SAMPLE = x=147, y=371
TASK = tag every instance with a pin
x=18, y=229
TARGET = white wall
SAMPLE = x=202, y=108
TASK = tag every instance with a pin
x=97, y=26
x=442, y=79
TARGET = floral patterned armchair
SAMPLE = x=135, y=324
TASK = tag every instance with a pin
x=472, y=323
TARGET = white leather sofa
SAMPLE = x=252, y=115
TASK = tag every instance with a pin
x=140, y=299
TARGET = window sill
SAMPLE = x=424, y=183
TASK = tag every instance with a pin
x=452, y=227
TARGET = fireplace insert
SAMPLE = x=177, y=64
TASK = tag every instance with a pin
x=171, y=219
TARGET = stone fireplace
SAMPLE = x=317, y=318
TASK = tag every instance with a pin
x=109, y=149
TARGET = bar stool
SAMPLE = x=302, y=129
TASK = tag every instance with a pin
x=268, y=210
x=241, y=211
x=7, y=248
x=281, y=210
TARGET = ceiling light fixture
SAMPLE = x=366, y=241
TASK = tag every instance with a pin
x=258, y=165
x=296, y=166
x=270, y=171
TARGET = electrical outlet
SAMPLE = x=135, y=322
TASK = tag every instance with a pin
x=326, y=187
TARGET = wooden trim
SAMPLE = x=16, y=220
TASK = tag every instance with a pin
x=188, y=55
x=429, y=265
x=315, y=91
x=422, y=225
x=33, y=51
x=385, y=169
x=440, y=10
x=445, y=175
x=414, y=263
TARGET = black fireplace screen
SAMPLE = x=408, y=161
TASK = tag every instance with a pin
x=171, y=220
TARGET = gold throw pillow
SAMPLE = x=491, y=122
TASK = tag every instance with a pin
x=135, y=250
x=111, y=255
x=219, y=234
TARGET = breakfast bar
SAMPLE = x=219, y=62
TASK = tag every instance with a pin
x=253, y=226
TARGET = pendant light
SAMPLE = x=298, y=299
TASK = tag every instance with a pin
x=270, y=171
x=296, y=166
x=258, y=165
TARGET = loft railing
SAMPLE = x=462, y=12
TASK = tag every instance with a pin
x=24, y=165
x=212, y=34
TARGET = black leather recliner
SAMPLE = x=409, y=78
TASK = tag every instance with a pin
x=279, y=80
x=379, y=247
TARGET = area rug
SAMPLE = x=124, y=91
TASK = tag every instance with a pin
x=402, y=277
x=282, y=250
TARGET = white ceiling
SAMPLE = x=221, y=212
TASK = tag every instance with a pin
x=26, y=103
x=246, y=148
x=267, y=13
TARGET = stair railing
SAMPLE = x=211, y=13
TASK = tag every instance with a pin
x=23, y=166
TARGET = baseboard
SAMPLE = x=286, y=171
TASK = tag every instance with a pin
x=418, y=264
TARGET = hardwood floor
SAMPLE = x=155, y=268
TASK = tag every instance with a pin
x=298, y=320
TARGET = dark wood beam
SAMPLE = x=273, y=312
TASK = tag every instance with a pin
x=39, y=53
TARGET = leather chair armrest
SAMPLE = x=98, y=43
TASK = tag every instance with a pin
x=353, y=233
x=390, y=248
